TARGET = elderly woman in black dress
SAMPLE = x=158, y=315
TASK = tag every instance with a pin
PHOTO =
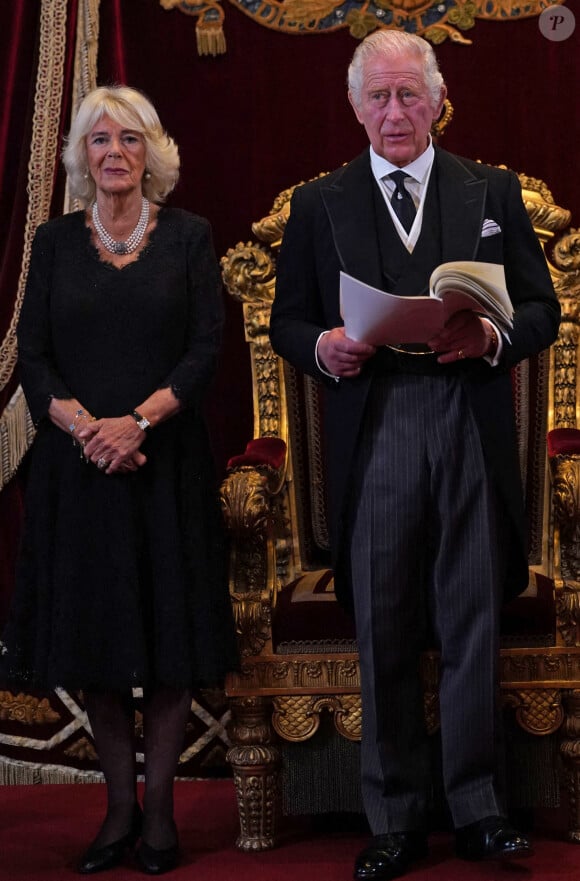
x=121, y=580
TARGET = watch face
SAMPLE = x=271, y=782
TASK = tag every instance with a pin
x=141, y=421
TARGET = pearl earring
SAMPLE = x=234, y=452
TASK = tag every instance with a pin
x=147, y=175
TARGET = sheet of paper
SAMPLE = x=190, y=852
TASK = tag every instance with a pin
x=372, y=316
x=379, y=318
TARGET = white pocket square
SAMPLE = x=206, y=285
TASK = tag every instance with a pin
x=490, y=228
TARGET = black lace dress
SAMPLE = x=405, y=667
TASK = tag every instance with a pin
x=121, y=580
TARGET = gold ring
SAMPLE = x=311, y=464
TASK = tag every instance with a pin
x=460, y=354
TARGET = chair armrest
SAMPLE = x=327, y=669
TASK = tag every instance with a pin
x=248, y=498
x=564, y=456
x=563, y=442
x=261, y=452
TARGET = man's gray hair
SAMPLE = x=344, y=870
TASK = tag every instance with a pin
x=389, y=44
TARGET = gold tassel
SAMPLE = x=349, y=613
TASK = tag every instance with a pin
x=19, y=773
x=210, y=38
x=16, y=434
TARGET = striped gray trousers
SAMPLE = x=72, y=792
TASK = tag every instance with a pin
x=426, y=567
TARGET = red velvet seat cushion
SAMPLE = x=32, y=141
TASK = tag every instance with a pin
x=307, y=617
x=531, y=619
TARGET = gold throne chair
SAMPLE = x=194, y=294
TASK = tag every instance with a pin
x=296, y=714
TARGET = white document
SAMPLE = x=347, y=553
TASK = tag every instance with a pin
x=379, y=318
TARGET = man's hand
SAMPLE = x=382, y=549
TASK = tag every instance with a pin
x=342, y=356
x=466, y=335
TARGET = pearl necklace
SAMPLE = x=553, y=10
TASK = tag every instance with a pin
x=134, y=240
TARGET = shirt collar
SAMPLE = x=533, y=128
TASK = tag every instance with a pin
x=418, y=169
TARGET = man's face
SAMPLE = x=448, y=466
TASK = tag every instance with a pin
x=396, y=108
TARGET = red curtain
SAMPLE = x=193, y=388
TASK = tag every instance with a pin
x=268, y=113
x=19, y=35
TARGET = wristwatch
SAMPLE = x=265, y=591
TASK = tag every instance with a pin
x=141, y=421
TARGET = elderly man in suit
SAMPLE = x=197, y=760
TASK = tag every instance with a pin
x=426, y=506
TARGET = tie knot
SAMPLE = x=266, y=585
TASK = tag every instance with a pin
x=399, y=177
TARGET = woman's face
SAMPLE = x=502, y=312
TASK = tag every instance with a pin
x=116, y=157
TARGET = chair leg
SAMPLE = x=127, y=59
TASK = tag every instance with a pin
x=255, y=761
x=570, y=750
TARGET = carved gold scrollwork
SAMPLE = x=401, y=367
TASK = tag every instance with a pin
x=566, y=492
x=538, y=711
x=570, y=751
x=348, y=716
x=565, y=372
x=565, y=471
x=547, y=217
x=258, y=795
x=568, y=612
x=538, y=665
x=255, y=760
x=270, y=229
x=297, y=718
x=566, y=273
x=245, y=500
x=248, y=272
x=250, y=722
x=567, y=253
x=268, y=402
x=252, y=620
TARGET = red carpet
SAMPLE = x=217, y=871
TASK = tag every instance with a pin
x=44, y=828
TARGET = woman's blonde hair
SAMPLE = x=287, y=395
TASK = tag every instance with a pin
x=131, y=109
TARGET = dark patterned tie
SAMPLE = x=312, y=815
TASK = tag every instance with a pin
x=402, y=201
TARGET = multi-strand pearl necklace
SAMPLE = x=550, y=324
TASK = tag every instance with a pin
x=134, y=240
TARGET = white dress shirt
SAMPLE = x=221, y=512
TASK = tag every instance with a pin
x=419, y=172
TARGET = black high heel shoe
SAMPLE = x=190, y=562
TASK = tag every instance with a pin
x=157, y=862
x=99, y=859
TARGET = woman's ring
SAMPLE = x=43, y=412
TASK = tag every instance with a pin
x=102, y=463
x=460, y=354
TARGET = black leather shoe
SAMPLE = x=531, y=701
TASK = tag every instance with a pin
x=492, y=838
x=157, y=862
x=99, y=859
x=389, y=856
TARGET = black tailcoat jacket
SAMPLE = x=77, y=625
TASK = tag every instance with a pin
x=333, y=226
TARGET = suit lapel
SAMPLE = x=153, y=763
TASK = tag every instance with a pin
x=349, y=202
x=462, y=204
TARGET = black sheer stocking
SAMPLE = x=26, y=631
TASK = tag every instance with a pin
x=165, y=712
x=112, y=719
